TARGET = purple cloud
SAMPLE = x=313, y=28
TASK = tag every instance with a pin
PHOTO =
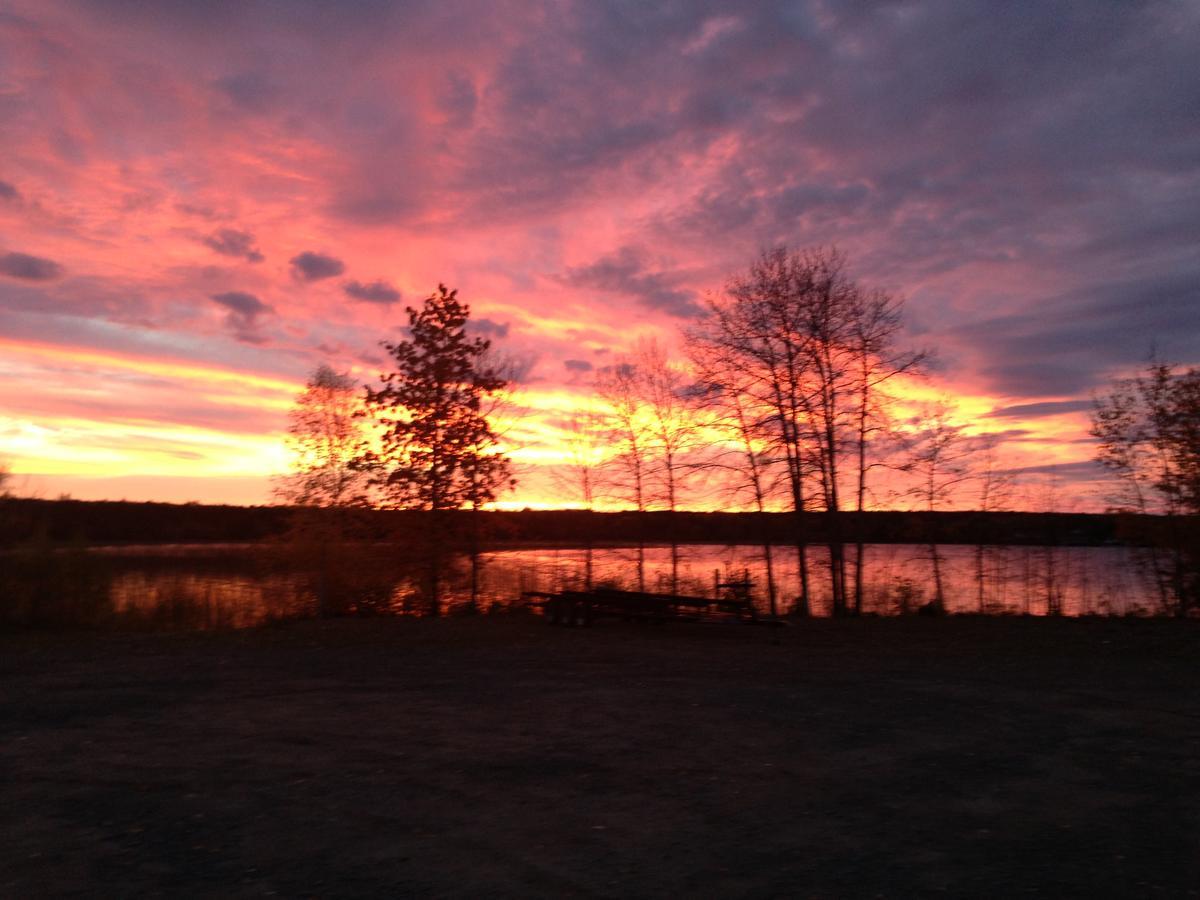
x=243, y=314
x=309, y=266
x=29, y=268
x=231, y=242
x=1036, y=410
x=249, y=91
x=378, y=291
x=488, y=328
x=624, y=272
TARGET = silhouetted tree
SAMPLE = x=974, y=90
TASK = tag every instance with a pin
x=672, y=429
x=578, y=477
x=499, y=368
x=937, y=460
x=727, y=396
x=325, y=438
x=826, y=302
x=437, y=451
x=876, y=319
x=1046, y=497
x=1148, y=428
x=812, y=348
x=628, y=468
x=757, y=330
x=994, y=493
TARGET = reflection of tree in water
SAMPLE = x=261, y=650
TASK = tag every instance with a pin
x=191, y=601
x=226, y=589
x=1085, y=580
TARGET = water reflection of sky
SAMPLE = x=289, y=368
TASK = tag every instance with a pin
x=198, y=593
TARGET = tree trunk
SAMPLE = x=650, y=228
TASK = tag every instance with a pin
x=436, y=541
x=475, y=561
x=939, y=596
x=803, y=606
x=979, y=574
x=674, y=566
x=837, y=568
x=860, y=550
x=769, y=561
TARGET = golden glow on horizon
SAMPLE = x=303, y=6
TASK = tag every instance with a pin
x=165, y=368
x=536, y=431
x=136, y=442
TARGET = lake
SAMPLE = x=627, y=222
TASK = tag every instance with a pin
x=237, y=586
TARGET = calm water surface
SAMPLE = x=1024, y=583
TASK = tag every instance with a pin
x=193, y=587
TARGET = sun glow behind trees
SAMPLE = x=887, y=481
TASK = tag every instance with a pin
x=158, y=186
x=648, y=432
x=105, y=429
x=146, y=427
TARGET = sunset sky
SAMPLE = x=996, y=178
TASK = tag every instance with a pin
x=201, y=201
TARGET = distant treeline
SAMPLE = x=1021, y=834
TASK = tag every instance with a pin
x=24, y=521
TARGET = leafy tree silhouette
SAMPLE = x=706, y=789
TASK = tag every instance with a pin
x=437, y=450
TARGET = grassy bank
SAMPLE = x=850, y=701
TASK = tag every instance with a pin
x=495, y=755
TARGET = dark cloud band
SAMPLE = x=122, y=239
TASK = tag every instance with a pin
x=29, y=268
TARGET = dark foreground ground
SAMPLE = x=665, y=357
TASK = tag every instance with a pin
x=500, y=757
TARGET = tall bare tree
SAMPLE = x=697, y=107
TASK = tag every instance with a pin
x=938, y=451
x=579, y=476
x=673, y=430
x=757, y=329
x=628, y=469
x=813, y=348
x=729, y=399
x=1148, y=429
x=325, y=437
x=875, y=330
x=995, y=487
x=828, y=301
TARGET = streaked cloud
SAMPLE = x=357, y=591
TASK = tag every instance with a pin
x=1037, y=410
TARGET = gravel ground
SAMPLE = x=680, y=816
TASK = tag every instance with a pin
x=496, y=756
